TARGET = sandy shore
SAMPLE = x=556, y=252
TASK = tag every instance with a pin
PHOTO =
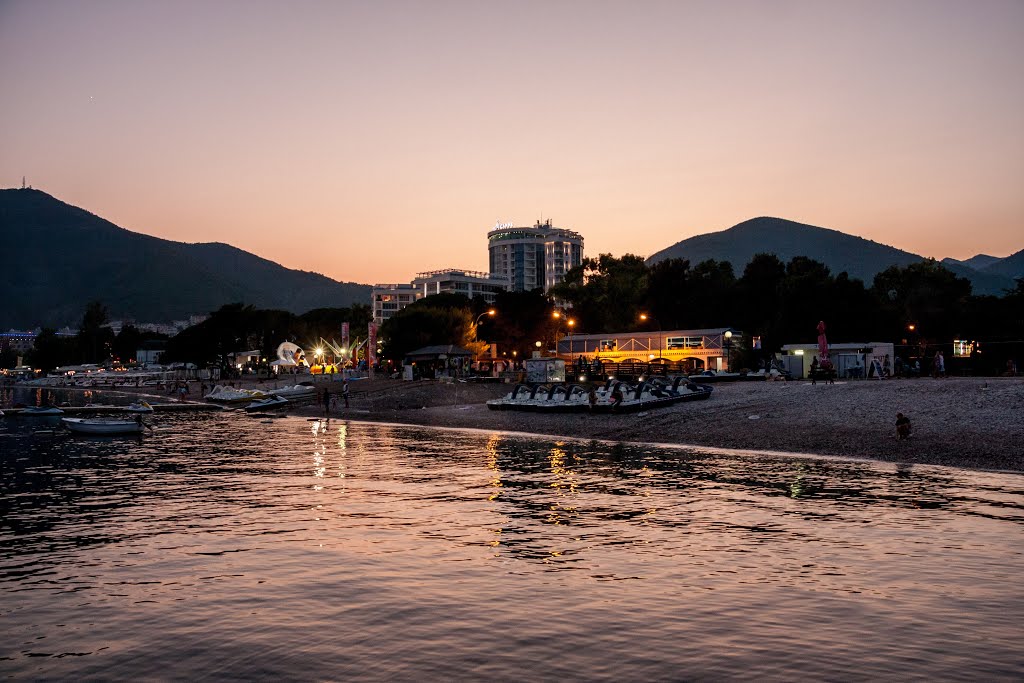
x=965, y=422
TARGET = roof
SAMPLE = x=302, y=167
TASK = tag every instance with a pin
x=432, y=352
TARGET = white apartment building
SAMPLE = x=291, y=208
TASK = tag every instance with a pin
x=535, y=257
x=391, y=298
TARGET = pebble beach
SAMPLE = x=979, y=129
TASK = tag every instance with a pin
x=968, y=422
x=963, y=422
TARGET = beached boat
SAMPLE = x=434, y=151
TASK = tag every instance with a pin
x=223, y=394
x=139, y=407
x=297, y=391
x=613, y=396
x=40, y=411
x=268, y=403
x=88, y=425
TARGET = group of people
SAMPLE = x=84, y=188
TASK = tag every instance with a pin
x=328, y=401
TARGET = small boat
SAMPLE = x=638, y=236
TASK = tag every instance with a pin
x=293, y=391
x=224, y=394
x=139, y=407
x=40, y=411
x=268, y=403
x=88, y=425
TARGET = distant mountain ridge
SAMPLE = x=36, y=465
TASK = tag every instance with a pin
x=60, y=257
x=1012, y=266
x=859, y=257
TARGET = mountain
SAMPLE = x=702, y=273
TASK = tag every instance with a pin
x=857, y=256
x=58, y=257
x=980, y=261
x=1012, y=266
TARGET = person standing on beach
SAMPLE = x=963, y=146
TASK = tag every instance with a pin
x=327, y=401
x=592, y=398
x=344, y=392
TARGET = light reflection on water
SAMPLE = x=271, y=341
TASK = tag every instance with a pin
x=228, y=546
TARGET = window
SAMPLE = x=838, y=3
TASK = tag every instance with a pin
x=684, y=342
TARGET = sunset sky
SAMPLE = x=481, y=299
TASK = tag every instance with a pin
x=372, y=140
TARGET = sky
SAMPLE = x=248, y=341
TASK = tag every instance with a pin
x=369, y=141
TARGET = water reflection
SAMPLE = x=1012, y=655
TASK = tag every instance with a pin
x=392, y=539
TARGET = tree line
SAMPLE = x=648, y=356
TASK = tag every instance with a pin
x=920, y=307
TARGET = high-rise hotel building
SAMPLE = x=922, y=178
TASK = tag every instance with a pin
x=536, y=257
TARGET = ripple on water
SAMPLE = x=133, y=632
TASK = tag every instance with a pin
x=228, y=548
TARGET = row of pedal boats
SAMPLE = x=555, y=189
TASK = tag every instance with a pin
x=612, y=396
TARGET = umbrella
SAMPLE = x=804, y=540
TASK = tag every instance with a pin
x=823, y=346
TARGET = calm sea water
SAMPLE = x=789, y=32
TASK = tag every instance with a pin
x=229, y=547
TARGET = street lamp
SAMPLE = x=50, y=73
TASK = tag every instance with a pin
x=645, y=317
x=491, y=312
x=728, y=347
x=557, y=315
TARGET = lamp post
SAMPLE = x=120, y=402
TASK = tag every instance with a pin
x=491, y=312
x=727, y=343
x=557, y=316
x=645, y=317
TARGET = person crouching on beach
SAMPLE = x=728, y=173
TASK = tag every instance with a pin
x=902, y=427
x=616, y=397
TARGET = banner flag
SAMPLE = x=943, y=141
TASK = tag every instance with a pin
x=371, y=346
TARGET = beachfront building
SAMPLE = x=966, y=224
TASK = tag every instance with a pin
x=453, y=281
x=386, y=300
x=389, y=299
x=536, y=257
x=706, y=349
x=18, y=342
x=850, y=359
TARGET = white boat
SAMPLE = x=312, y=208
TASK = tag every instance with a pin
x=292, y=392
x=614, y=396
x=268, y=403
x=39, y=411
x=88, y=425
x=224, y=394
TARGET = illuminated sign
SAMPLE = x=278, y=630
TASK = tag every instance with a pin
x=500, y=226
x=962, y=348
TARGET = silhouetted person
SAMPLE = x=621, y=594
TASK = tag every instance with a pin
x=902, y=427
x=616, y=397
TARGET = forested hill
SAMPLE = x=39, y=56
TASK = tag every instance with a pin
x=861, y=258
x=58, y=258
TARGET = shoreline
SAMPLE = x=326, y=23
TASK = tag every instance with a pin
x=975, y=423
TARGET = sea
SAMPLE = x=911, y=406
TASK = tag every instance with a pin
x=231, y=547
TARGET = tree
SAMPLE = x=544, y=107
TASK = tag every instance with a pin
x=759, y=304
x=924, y=294
x=50, y=351
x=710, y=296
x=95, y=338
x=522, y=319
x=668, y=283
x=439, y=319
x=606, y=293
